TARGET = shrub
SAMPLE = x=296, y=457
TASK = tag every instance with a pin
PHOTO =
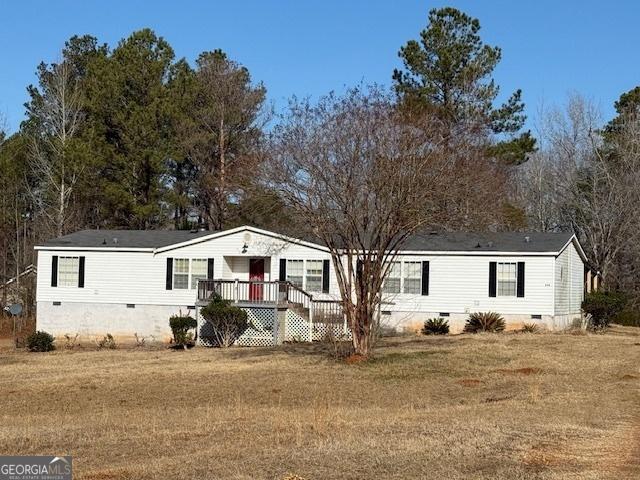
x=484, y=322
x=603, y=306
x=140, y=341
x=226, y=321
x=107, y=342
x=628, y=317
x=435, y=326
x=71, y=342
x=180, y=326
x=530, y=328
x=40, y=342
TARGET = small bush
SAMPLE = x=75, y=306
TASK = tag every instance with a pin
x=71, y=342
x=603, y=307
x=435, y=326
x=530, y=328
x=107, y=342
x=180, y=326
x=627, y=317
x=226, y=321
x=484, y=322
x=40, y=342
x=140, y=341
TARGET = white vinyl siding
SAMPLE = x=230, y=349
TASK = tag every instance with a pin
x=392, y=282
x=181, y=273
x=459, y=282
x=295, y=272
x=507, y=278
x=198, y=271
x=314, y=276
x=412, y=278
x=569, y=282
x=121, y=277
x=68, y=271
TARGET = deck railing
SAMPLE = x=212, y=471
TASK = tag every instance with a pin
x=255, y=292
x=322, y=318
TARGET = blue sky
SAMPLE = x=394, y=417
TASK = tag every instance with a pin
x=309, y=47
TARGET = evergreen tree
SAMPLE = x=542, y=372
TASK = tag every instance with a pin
x=130, y=114
x=448, y=74
x=219, y=132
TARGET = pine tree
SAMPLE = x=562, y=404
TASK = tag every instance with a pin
x=448, y=74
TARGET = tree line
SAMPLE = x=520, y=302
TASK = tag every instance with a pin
x=132, y=137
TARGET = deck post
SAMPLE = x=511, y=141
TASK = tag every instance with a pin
x=345, y=328
x=281, y=318
x=235, y=291
x=311, y=320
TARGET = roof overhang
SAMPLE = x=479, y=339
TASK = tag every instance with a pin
x=244, y=228
x=579, y=248
x=92, y=249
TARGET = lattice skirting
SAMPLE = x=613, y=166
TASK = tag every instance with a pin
x=330, y=331
x=298, y=329
x=262, y=331
x=263, y=328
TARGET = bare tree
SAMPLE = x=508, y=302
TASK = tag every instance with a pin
x=606, y=203
x=362, y=180
x=579, y=182
x=57, y=114
x=545, y=184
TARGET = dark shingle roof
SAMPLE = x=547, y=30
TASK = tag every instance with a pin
x=488, y=242
x=124, y=238
x=451, y=242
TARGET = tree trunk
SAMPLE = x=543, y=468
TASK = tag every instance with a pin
x=222, y=187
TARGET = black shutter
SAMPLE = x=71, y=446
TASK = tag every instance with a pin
x=54, y=271
x=520, y=282
x=425, y=278
x=492, y=279
x=81, y=273
x=283, y=269
x=210, y=269
x=169, y=273
x=325, y=276
x=359, y=269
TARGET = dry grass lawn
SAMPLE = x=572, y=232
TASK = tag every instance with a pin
x=510, y=406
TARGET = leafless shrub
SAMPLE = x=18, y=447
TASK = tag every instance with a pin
x=70, y=342
x=106, y=342
x=140, y=341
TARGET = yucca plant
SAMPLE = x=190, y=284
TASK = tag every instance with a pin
x=530, y=328
x=435, y=326
x=484, y=322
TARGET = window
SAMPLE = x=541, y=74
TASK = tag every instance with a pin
x=295, y=272
x=181, y=273
x=314, y=275
x=68, y=271
x=507, y=279
x=412, y=277
x=392, y=282
x=198, y=271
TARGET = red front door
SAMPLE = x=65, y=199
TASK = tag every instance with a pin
x=256, y=274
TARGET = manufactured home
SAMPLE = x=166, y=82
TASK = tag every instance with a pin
x=127, y=282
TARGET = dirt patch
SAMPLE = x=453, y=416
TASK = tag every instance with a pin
x=355, y=358
x=520, y=371
x=628, y=376
x=469, y=382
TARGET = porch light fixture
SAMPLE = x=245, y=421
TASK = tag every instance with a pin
x=245, y=247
